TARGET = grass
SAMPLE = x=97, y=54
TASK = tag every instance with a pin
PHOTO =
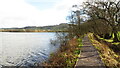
x=118, y=35
x=117, y=43
x=111, y=40
x=107, y=40
x=109, y=57
x=67, y=55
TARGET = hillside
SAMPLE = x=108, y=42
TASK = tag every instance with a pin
x=60, y=27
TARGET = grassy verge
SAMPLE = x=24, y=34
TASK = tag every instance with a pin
x=109, y=57
x=67, y=55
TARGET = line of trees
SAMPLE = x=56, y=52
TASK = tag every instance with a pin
x=102, y=18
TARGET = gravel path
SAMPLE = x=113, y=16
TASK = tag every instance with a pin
x=89, y=57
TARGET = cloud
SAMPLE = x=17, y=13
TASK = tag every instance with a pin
x=42, y=0
x=19, y=13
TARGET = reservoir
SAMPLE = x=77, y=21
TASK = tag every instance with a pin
x=25, y=49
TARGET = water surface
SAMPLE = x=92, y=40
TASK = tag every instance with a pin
x=25, y=49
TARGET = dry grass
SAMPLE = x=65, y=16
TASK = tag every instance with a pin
x=109, y=57
x=66, y=56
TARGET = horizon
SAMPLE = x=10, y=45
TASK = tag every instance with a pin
x=33, y=26
x=21, y=13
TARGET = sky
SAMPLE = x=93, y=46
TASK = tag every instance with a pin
x=21, y=13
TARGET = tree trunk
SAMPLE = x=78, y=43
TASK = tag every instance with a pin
x=115, y=39
x=114, y=31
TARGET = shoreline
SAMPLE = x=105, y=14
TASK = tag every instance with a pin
x=33, y=31
x=67, y=55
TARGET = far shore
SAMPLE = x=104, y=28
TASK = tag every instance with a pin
x=32, y=31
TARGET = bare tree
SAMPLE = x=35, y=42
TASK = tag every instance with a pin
x=108, y=11
x=74, y=23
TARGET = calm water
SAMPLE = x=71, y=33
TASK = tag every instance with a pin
x=25, y=49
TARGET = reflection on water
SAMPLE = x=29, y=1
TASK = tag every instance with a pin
x=24, y=49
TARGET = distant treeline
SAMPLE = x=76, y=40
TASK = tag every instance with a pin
x=55, y=28
x=30, y=30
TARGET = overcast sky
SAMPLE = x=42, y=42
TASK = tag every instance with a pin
x=20, y=13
